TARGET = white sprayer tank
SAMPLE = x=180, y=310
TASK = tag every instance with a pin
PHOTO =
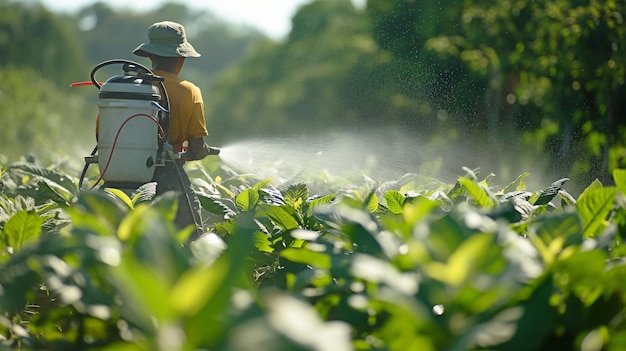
x=124, y=102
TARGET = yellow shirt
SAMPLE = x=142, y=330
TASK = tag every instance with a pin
x=186, y=110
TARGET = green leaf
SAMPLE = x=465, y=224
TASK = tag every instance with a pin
x=131, y=227
x=262, y=242
x=477, y=193
x=312, y=204
x=360, y=226
x=594, y=205
x=563, y=226
x=371, y=202
x=464, y=262
x=395, y=201
x=22, y=228
x=197, y=286
x=52, y=191
x=247, y=199
x=144, y=291
x=63, y=185
x=283, y=216
x=262, y=184
x=216, y=205
x=306, y=256
x=296, y=195
x=550, y=234
x=122, y=196
x=96, y=212
x=518, y=184
x=586, y=274
x=145, y=193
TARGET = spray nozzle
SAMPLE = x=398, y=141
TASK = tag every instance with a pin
x=214, y=150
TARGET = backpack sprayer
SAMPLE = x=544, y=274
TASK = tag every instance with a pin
x=133, y=126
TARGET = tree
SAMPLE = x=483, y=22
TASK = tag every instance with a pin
x=548, y=74
x=33, y=37
x=109, y=34
x=445, y=88
x=328, y=74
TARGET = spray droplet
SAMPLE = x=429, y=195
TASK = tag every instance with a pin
x=438, y=309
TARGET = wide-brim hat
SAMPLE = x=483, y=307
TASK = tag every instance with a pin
x=167, y=39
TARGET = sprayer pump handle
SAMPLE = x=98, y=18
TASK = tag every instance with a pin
x=153, y=78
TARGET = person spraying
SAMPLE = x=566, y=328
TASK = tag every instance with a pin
x=168, y=48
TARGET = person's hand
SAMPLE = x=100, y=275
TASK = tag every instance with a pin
x=197, y=150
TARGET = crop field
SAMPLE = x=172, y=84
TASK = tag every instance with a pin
x=404, y=264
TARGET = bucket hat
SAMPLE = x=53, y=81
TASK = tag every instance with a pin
x=167, y=39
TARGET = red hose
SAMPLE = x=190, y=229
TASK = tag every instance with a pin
x=78, y=84
x=106, y=167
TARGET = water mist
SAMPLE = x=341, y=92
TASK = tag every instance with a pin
x=382, y=154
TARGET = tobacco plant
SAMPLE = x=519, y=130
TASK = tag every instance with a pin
x=397, y=265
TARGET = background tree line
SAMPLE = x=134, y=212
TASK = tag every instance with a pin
x=537, y=80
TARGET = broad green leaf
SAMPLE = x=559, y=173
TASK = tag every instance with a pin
x=462, y=263
x=96, y=212
x=296, y=194
x=596, y=184
x=215, y=205
x=145, y=193
x=262, y=242
x=378, y=271
x=594, y=206
x=224, y=191
x=309, y=332
x=52, y=191
x=197, y=286
x=262, y=184
x=395, y=201
x=551, y=234
x=477, y=193
x=144, y=291
x=357, y=224
x=247, y=199
x=205, y=323
x=22, y=228
x=58, y=182
x=562, y=225
x=372, y=202
x=320, y=201
x=418, y=208
x=306, y=256
x=585, y=271
x=284, y=216
x=122, y=196
x=445, y=235
x=130, y=228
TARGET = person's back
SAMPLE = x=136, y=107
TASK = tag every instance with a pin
x=186, y=109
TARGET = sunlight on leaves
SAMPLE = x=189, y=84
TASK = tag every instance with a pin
x=22, y=228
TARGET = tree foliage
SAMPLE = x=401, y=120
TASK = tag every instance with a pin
x=553, y=70
x=106, y=33
x=328, y=73
x=32, y=37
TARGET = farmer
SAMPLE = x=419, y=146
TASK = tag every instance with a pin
x=167, y=48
